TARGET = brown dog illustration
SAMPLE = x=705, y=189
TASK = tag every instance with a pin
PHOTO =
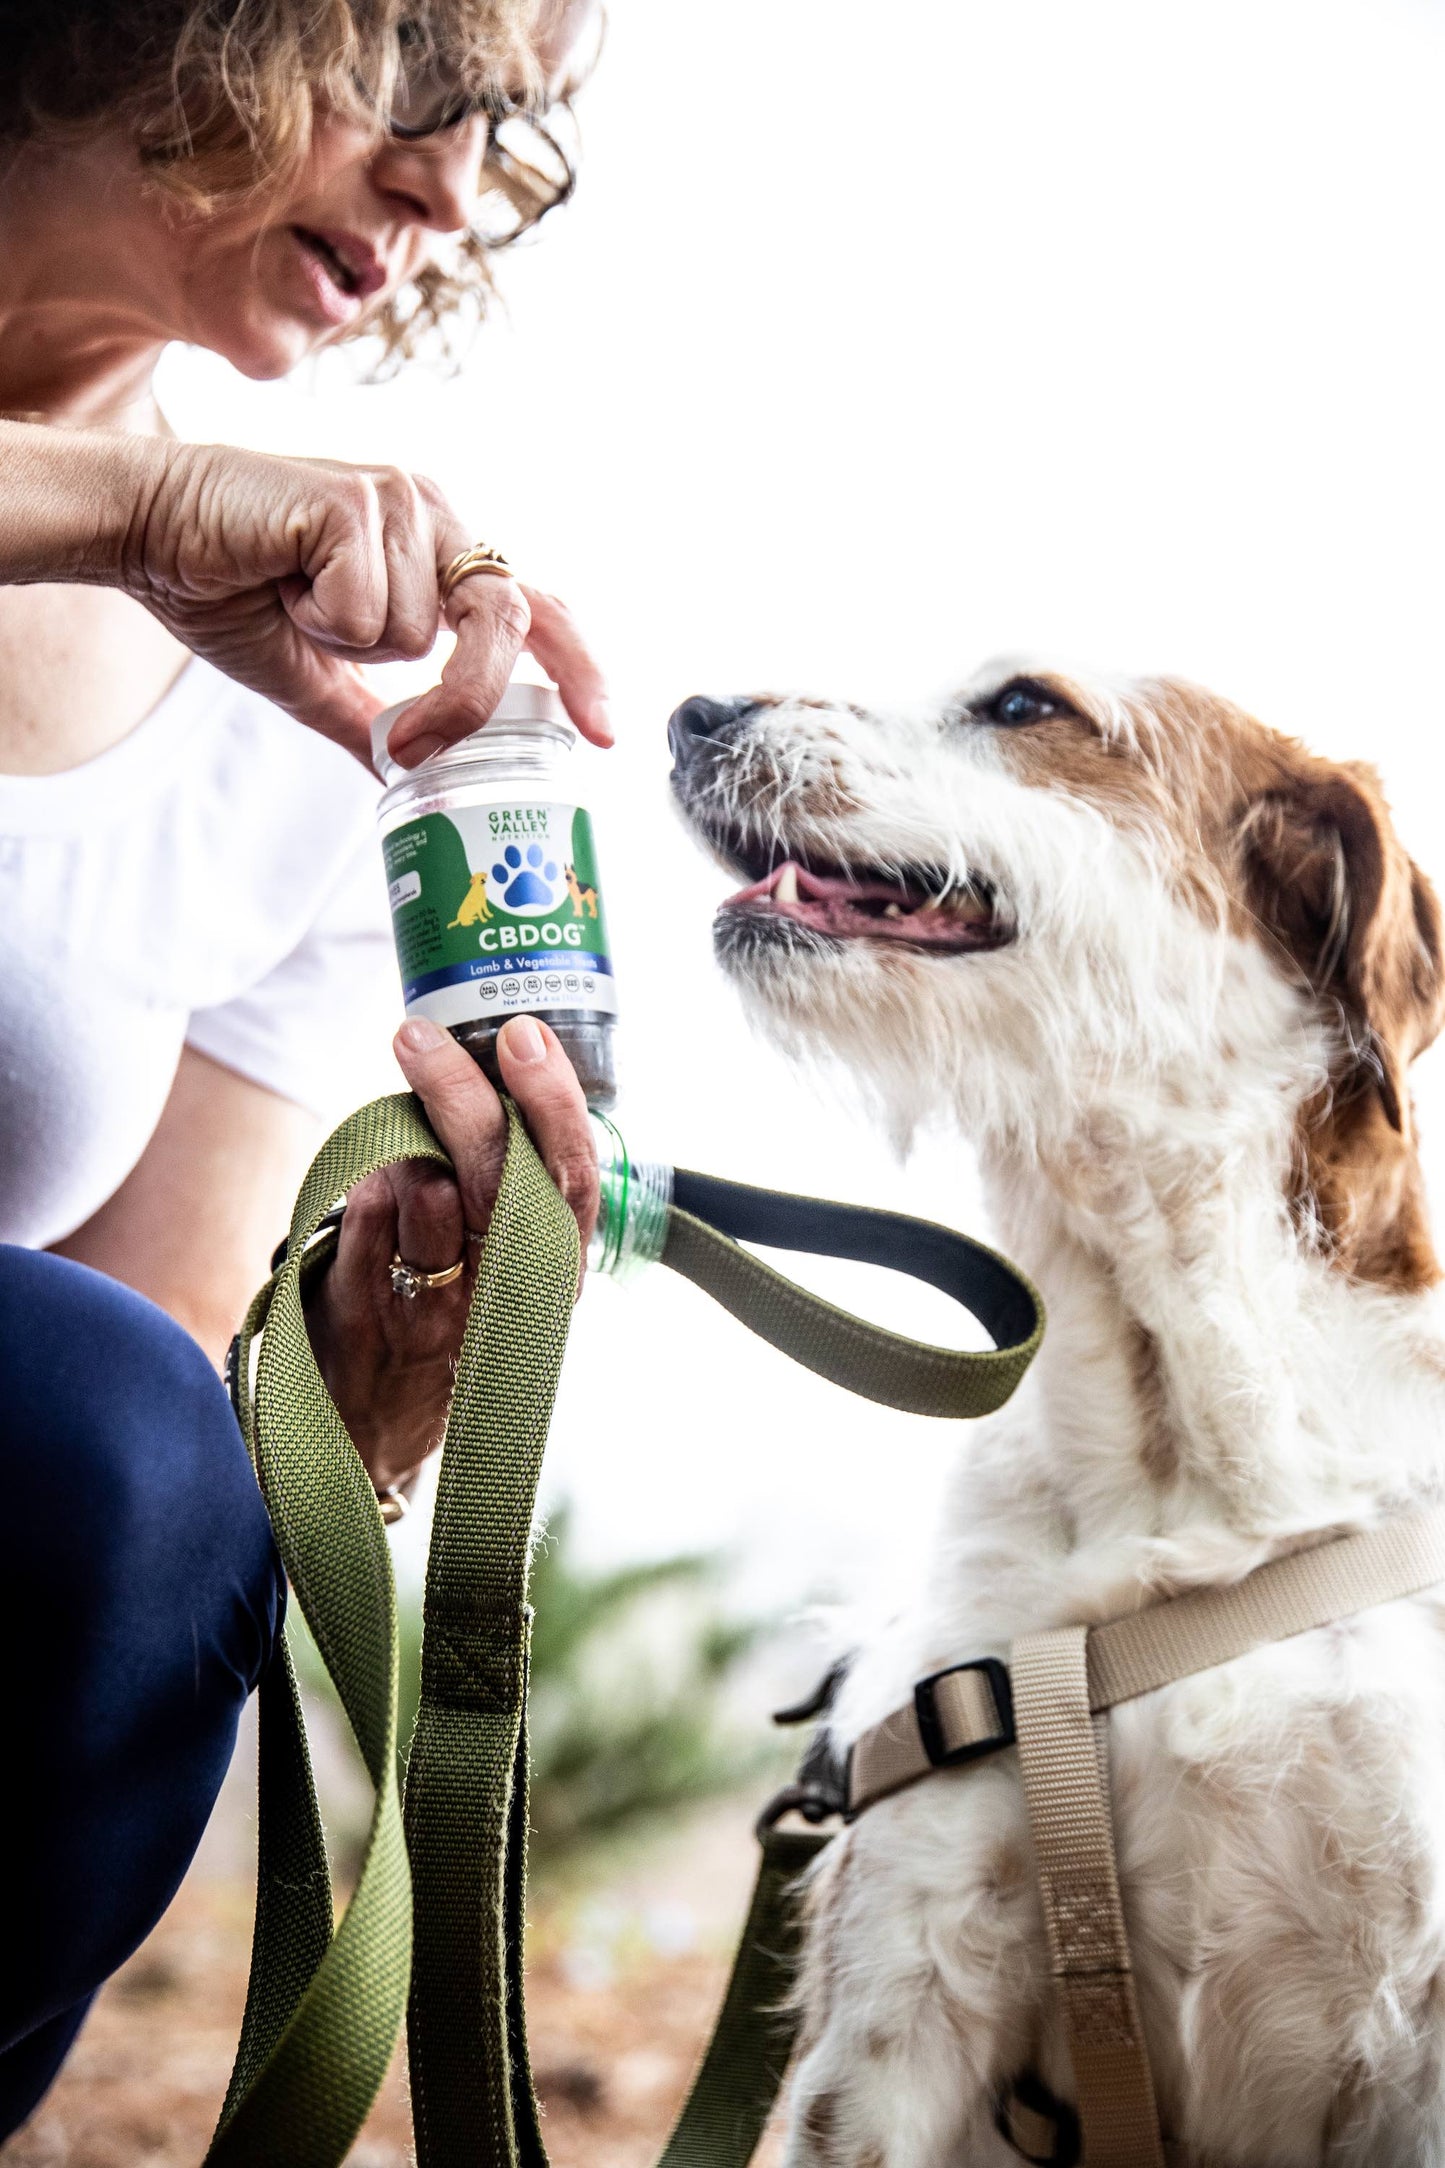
x=583, y=899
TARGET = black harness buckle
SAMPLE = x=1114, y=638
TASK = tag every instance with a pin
x=930, y=1729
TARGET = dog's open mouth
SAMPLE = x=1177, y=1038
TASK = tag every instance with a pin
x=921, y=909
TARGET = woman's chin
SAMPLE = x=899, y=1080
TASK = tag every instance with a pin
x=268, y=306
x=266, y=348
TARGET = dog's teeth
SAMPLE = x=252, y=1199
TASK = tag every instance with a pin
x=934, y=903
x=891, y=910
x=785, y=888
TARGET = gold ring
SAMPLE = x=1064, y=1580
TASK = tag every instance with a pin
x=481, y=557
x=410, y=1280
x=393, y=1505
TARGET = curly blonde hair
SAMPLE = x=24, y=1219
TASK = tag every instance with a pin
x=220, y=96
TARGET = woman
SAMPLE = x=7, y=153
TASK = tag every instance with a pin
x=187, y=880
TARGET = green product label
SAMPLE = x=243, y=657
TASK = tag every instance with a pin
x=498, y=908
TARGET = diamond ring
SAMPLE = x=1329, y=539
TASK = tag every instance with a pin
x=411, y=1281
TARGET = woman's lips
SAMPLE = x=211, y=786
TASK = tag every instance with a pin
x=362, y=266
x=341, y=271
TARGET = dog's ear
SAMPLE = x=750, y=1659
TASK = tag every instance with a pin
x=1327, y=875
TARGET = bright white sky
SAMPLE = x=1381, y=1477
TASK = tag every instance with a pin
x=877, y=341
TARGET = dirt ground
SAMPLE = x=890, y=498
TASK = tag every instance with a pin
x=623, y=1984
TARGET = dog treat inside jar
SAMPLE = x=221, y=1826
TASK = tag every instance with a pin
x=495, y=901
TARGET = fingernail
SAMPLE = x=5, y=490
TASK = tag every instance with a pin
x=602, y=719
x=420, y=749
x=420, y=1035
x=523, y=1041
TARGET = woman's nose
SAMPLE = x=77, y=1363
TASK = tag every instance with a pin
x=441, y=174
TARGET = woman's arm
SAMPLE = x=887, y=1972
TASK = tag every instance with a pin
x=67, y=500
x=287, y=574
x=194, y=1223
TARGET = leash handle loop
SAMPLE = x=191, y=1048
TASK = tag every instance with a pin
x=711, y=1219
x=323, y=2009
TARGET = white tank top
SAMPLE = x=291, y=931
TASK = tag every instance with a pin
x=213, y=879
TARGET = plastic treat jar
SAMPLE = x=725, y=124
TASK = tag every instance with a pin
x=495, y=899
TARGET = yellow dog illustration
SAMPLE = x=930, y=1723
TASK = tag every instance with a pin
x=475, y=906
x=583, y=899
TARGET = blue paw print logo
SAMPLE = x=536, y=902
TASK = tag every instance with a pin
x=526, y=880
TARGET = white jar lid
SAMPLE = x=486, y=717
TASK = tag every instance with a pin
x=526, y=705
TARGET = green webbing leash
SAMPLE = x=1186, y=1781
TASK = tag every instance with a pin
x=466, y=1793
x=324, y=2009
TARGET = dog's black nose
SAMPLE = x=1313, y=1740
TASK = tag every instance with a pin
x=700, y=720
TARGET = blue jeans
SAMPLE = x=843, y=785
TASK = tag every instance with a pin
x=140, y=1599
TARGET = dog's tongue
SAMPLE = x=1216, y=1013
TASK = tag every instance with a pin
x=850, y=906
x=792, y=883
x=757, y=890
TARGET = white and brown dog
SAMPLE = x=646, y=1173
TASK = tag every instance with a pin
x=1168, y=971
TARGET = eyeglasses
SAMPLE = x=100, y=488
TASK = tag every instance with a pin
x=424, y=102
x=530, y=164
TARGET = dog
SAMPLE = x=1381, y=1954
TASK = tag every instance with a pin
x=584, y=900
x=1167, y=970
x=474, y=907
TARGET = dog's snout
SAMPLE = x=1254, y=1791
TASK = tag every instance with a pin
x=700, y=721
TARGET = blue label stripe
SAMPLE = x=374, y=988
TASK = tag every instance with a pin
x=576, y=963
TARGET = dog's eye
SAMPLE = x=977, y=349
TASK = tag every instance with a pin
x=1020, y=703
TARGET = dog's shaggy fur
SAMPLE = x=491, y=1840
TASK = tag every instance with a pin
x=1171, y=992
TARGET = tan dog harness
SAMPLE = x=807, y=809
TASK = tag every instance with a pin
x=1051, y=1700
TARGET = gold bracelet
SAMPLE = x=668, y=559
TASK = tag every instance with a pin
x=481, y=557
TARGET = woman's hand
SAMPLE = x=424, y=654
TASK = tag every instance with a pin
x=389, y=1360
x=287, y=574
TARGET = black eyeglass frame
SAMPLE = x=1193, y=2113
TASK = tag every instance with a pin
x=496, y=108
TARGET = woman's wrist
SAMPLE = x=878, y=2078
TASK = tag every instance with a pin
x=72, y=502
